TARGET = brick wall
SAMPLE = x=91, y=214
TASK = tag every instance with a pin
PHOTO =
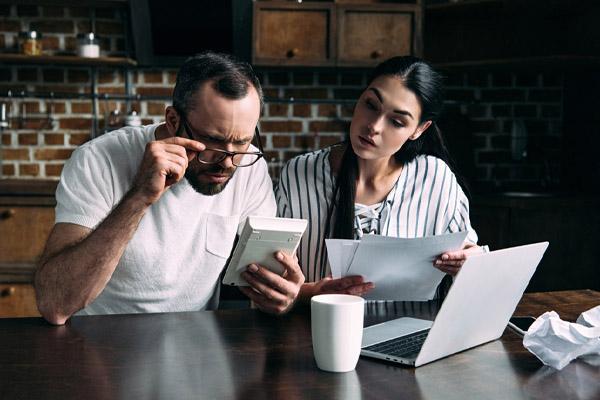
x=39, y=140
x=493, y=103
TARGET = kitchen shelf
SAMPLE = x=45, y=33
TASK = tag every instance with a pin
x=67, y=60
x=67, y=3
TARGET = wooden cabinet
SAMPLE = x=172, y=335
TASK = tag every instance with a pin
x=369, y=34
x=570, y=223
x=17, y=300
x=24, y=231
x=26, y=219
x=293, y=34
x=332, y=34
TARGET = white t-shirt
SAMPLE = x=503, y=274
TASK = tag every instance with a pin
x=174, y=259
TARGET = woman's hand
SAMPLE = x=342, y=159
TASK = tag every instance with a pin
x=451, y=261
x=354, y=285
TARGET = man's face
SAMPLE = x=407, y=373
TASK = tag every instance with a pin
x=219, y=123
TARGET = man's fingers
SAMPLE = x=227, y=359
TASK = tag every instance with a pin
x=189, y=144
x=261, y=288
x=271, y=292
x=267, y=282
x=269, y=301
x=191, y=147
x=290, y=263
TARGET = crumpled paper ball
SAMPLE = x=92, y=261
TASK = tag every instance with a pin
x=556, y=342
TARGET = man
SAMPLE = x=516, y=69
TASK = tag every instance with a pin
x=146, y=217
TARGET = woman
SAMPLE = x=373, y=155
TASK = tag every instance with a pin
x=391, y=178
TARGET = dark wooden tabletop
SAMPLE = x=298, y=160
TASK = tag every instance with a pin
x=245, y=354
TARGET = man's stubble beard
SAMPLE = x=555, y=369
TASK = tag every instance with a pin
x=209, y=189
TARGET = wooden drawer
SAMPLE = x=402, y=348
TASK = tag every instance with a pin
x=17, y=300
x=24, y=231
x=293, y=34
x=371, y=34
x=329, y=34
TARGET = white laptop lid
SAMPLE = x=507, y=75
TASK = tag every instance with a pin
x=481, y=300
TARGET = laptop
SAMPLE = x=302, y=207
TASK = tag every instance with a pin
x=476, y=310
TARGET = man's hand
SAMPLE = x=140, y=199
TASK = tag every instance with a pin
x=164, y=164
x=451, y=261
x=354, y=285
x=270, y=292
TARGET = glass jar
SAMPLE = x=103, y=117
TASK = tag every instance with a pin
x=88, y=45
x=30, y=43
x=113, y=121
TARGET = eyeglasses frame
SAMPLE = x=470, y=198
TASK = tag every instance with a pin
x=226, y=153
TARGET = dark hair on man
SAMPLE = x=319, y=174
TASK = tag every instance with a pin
x=421, y=79
x=231, y=77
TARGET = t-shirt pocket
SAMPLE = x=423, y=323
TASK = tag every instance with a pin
x=220, y=234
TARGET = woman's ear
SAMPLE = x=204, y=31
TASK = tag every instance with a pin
x=420, y=129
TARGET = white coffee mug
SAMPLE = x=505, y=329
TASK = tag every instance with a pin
x=337, y=326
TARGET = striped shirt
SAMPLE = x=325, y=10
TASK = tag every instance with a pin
x=426, y=200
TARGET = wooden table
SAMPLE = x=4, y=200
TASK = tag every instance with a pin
x=246, y=354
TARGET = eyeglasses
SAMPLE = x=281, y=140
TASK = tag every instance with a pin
x=215, y=156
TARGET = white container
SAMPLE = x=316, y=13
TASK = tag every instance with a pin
x=133, y=119
x=88, y=45
x=337, y=327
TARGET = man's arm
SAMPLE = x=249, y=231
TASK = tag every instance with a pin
x=77, y=262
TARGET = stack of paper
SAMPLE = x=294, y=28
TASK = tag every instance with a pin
x=401, y=269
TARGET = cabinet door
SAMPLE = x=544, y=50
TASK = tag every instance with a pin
x=369, y=34
x=17, y=300
x=293, y=34
x=24, y=231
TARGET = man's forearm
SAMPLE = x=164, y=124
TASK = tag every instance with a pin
x=69, y=279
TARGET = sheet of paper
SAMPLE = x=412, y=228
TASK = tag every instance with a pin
x=340, y=253
x=402, y=269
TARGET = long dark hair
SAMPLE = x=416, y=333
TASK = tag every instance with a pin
x=420, y=78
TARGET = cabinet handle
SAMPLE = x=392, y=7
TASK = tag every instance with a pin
x=8, y=291
x=376, y=54
x=293, y=52
x=8, y=213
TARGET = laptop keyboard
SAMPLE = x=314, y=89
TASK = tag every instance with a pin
x=404, y=346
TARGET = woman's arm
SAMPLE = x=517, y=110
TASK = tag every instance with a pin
x=354, y=285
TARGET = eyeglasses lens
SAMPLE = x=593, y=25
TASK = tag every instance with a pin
x=214, y=157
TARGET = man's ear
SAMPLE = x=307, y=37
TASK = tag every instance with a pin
x=172, y=120
x=422, y=128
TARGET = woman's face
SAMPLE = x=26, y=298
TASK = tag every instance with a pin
x=385, y=117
